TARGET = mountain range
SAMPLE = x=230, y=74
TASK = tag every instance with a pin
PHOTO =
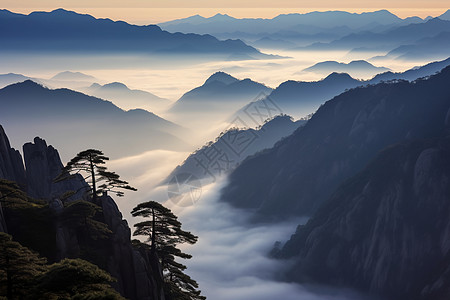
x=388, y=39
x=127, y=98
x=301, y=23
x=63, y=31
x=289, y=31
x=357, y=68
x=29, y=110
x=299, y=98
x=219, y=87
x=337, y=142
x=426, y=48
x=230, y=148
x=385, y=230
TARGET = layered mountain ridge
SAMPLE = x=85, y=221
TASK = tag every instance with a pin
x=342, y=136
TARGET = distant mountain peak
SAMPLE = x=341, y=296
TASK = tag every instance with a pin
x=360, y=63
x=26, y=85
x=337, y=75
x=116, y=85
x=445, y=16
x=220, y=16
x=69, y=75
x=221, y=77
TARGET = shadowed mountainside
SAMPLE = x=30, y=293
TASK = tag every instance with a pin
x=232, y=147
x=29, y=109
x=67, y=31
x=388, y=39
x=299, y=98
x=127, y=98
x=341, y=137
x=385, y=230
x=57, y=230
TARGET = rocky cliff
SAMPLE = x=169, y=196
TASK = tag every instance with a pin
x=302, y=171
x=386, y=230
x=11, y=165
x=43, y=165
x=138, y=275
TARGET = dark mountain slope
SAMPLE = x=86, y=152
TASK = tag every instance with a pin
x=67, y=31
x=60, y=230
x=299, y=23
x=389, y=39
x=429, y=47
x=386, y=230
x=423, y=71
x=232, y=147
x=219, y=88
x=302, y=171
x=127, y=98
x=29, y=109
x=299, y=98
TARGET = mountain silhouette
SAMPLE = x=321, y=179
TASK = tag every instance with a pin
x=383, y=231
x=67, y=31
x=77, y=121
x=356, y=67
x=336, y=143
x=73, y=76
x=299, y=98
x=126, y=98
x=321, y=20
x=426, y=48
x=219, y=90
x=388, y=39
x=10, y=78
x=233, y=146
x=445, y=16
x=412, y=74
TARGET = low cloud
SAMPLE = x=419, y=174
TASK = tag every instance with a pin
x=230, y=259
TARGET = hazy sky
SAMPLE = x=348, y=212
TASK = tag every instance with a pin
x=154, y=11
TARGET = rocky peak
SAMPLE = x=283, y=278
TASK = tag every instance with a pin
x=11, y=165
x=43, y=164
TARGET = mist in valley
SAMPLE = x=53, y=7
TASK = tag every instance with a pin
x=231, y=259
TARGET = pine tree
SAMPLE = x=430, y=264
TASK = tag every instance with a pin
x=75, y=279
x=164, y=234
x=91, y=163
x=18, y=267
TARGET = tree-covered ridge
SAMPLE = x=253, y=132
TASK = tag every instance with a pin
x=26, y=275
x=87, y=241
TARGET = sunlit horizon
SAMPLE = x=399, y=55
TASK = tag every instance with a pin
x=155, y=15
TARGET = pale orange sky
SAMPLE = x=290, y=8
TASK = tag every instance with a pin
x=151, y=11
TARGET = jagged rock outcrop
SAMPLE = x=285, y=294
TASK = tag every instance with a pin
x=139, y=277
x=11, y=165
x=43, y=165
x=386, y=230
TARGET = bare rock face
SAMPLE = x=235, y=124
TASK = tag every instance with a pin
x=136, y=278
x=43, y=165
x=447, y=120
x=11, y=165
